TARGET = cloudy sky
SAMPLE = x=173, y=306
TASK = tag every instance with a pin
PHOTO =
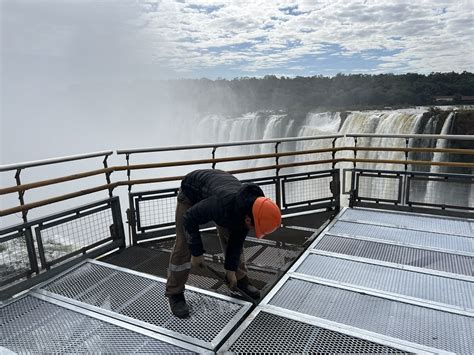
x=69, y=65
x=234, y=38
x=81, y=39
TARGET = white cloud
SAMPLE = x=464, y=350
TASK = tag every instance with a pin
x=421, y=33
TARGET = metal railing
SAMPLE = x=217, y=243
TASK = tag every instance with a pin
x=152, y=213
x=213, y=161
x=295, y=191
x=52, y=244
x=412, y=191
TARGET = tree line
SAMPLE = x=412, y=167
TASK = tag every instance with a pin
x=341, y=92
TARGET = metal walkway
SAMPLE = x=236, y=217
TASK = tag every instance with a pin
x=372, y=282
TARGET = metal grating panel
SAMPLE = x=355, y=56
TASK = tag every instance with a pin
x=14, y=261
x=143, y=299
x=60, y=239
x=427, y=287
x=434, y=260
x=277, y=258
x=418, y=238
x=270, y=333
x=433, y=328
x=158, y=211
x=423, y=190
x=410, y=221
x=300, y=190
x=385, y=187
x=33, y=325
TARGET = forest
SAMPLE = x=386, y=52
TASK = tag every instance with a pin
x=341, y=92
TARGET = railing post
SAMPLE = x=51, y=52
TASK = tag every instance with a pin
x=334, y=153
x=127, y=158
x=20, y=195
x=30, y=247
x=336, y=188
x=277, y=175
x=406, y=153
x=132, y=224
x=353, y=192
x=117, y=229
x=130, y=211
x=355, y=152
x=107, y=175
x=214, y=156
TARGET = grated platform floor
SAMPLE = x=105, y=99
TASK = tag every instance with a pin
x=371, y=282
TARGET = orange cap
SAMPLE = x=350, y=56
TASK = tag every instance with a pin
x=266, y=215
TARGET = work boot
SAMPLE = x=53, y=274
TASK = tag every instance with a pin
x=178, y=306
x=248, y=288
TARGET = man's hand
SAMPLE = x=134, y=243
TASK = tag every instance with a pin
x=231, y=279
x=197, y=261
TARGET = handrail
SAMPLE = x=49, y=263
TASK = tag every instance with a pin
x=33, y=185
x=31, y=164
x=43, y=183
x=222, y=144
x=238, y=171
x=21, y=188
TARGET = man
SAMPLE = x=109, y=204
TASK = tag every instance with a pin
x=235, y=208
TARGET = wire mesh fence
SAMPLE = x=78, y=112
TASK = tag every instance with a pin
x=61, y=239
x=441, y=191
x=14, y=259
x=156, y=212
x=299, y=191
x=451, y=194
x=65, y=236
x=379, y=187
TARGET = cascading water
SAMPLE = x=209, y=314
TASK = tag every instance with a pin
x=434, y=191
x=315, y=124
x=268, y=125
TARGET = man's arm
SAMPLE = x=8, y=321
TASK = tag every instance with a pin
x=201, y=213
x=234, y=249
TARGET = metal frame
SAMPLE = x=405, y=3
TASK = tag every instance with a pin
x=461, y=179
x=350, y=330
x=393, y=265
x=405, y=213
x=312, y=204
x=380, y=175
x=116, y=240
x=403, y=203
x=208, y=345
x=413, y=246
x=141, y=233
x=116, y=322
x=377, y=293
x=329, y=325
x=17, y=233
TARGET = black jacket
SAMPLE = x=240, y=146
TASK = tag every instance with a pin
x=219, y=197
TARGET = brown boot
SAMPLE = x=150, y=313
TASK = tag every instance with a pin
x=178, y=306
x=248, y=288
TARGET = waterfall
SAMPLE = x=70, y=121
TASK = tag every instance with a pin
x=315, y=124
x=434, y=189
x=393, y=122
x=250, y=126
x=267, y=125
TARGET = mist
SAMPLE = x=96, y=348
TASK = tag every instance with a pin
x=78, y=77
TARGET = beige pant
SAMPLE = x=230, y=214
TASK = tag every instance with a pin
x=180, y=260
